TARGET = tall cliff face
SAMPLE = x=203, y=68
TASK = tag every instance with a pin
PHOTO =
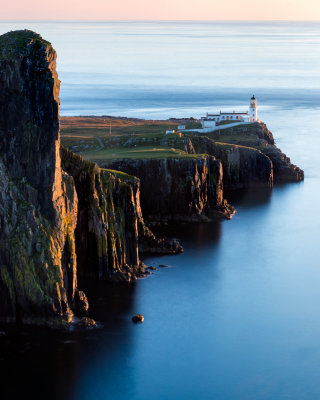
x=29, y=114
x=258, y=136
x=283, y=169
x=38, y=203
x=184, y=189
x=52, y=217
x=243, y=167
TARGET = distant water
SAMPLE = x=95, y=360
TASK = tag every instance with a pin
x=237, y=315
x=164, y=69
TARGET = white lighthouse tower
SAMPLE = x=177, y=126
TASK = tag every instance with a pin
x=253, y=110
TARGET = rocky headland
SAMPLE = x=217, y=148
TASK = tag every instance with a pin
x=64, y=215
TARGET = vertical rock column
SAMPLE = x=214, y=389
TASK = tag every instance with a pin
x=38, y=202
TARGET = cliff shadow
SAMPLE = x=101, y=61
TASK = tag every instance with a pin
x=192, y=235
x=249, y=198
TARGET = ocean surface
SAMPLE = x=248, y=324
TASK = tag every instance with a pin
x=237, y=315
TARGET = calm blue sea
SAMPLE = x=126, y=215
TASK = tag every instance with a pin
x=237, y=315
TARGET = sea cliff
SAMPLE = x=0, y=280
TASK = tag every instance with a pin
x=178, y=189
x=38, y=203
x=110, y=230
x=60, y=216
x=63, y=216
x=243, y=167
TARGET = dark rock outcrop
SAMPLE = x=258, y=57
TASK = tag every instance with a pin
x=180, y=189
x=243, y=167
x=283, y=169
x=257, y=136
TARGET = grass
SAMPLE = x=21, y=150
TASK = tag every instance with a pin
x=12, y=43
x=121, y=175
x=229, y=145
x=140, y=139
x=131, y=138
x=84, y=134
x=143, y=152
x=228, y=121
x=193, y=125
x=243, y=135
x=100, y=126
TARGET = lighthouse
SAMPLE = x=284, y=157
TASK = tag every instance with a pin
x=253, y=110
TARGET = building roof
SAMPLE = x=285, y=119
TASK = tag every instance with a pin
x=228, y=113
x=234, y=113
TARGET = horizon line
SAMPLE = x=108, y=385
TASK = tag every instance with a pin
x=157, y=20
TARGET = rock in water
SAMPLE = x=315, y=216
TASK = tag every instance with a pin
x=38, y=201
x=87, y=323
x=81, y=302
x=138, y=318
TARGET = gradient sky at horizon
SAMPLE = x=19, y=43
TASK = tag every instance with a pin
x=161, y=10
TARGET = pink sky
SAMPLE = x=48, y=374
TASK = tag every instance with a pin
x=162, y=9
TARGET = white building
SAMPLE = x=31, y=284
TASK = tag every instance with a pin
x=210, y=120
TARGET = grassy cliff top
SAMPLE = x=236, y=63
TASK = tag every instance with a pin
x=141, y=139
x=131, y=138
x=141, y=152
x=16, y=43
x=121, y=175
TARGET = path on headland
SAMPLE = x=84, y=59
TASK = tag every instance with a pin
x=101, y=143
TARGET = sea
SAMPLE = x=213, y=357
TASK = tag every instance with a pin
x=237, y=315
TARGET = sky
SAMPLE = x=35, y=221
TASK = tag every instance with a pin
x=160, y=10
